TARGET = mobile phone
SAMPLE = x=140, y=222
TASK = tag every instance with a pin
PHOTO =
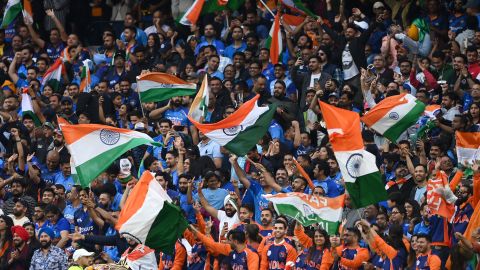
x=178, y=128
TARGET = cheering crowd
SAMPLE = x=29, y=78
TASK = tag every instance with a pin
x=349, y=54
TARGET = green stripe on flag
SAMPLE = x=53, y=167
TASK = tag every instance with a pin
x=368, y=189
x=246, y=139
x=92, y=168
x=160, y=94
x=394, y=132
x=293, y=212
x=11, y=13
x=166, y=229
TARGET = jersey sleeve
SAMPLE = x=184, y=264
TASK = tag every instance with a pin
x=434, y=262
x=327, y=260
x=252, y=260
x=362, y=256
x=385, y=248
x=291, y=253
x=304, y=239
x=180, y=257
x=213, y=246
x=264, y=258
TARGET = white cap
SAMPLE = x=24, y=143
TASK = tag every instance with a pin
x=81, y=253
x=139, y=126
x=378, y=5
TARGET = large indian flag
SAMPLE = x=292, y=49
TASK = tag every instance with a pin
x=94, y=147
x=149, y=215
x=53, y=75
x=240, y=131
x=13, y=8
x=358, y=167
x=393, y=115
x=27, y=109
x=198, y=108
x=309, y=209
x=292, y=21
x=468, y=146
x=274, y=41
x=157, y=86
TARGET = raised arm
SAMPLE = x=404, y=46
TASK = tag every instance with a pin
x=12, y=69
x=239, y=172
x=63, y=35
x=267, y=176
x=35, y=36
x=210, y=209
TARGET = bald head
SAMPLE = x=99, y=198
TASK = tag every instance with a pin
x=53, y=158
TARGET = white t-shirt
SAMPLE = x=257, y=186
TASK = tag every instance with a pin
x=350, y=70
x=314, y=77
x=19, y=222
x=222, y=217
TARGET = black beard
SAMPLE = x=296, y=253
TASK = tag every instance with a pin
x=461, y=200
x=229, y=213
x=67, y=111
x=57, y=143
x=45, y=245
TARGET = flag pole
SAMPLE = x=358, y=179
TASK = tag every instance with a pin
x=139, y=98
x=269, y=10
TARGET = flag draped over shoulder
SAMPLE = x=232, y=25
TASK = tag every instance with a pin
x=157, y=86
x=198, y=108
x=149, y=215
x=240, y=131
x=359, y=170
x=274, y=41
x=94, y=147
x=468, y=145
x=13, y=8
x=310, y=209
x=393, y=115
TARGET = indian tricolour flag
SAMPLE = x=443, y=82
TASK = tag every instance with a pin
x=198, y=108
x=53, y=75
x=240, y=131
x=274, y=41
x=94, y=147
x=192, y=14
x=157, y=86
x=150, y=217
x=309, y=209
x=299, y=7
x=359, y=170
x=27, y=11
x=393, y=115
x=13, y=8
x=27, y=109
x=468, y=146
x=292, y=21
x=85, y=83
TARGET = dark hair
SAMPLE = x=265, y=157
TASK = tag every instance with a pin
x=323, y=166
x=253, y=232
x=326, y=245
x=165, y=175
x=355, y=231
x=47, y=189
x=237, y=235
x=53, y=209
x=415, y=206
x=281, y=222
x=425, y=236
